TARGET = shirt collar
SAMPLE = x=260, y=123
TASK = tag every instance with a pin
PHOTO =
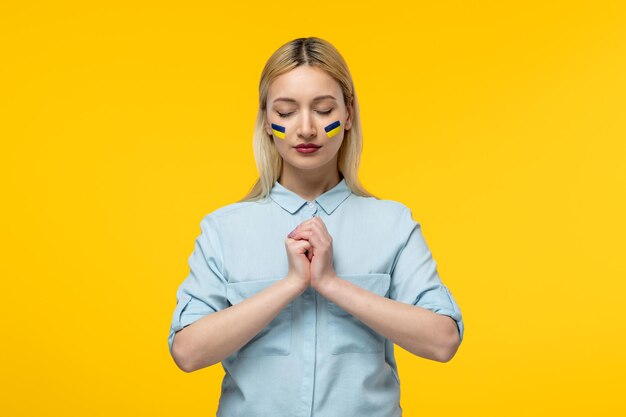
x=292, y=202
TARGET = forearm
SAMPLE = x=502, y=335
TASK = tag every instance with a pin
x=216, y=336
x=416, y=329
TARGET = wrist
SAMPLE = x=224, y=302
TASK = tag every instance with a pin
x=326, y=285
x=297, y=284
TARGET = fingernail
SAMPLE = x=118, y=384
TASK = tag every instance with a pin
x=291, y=234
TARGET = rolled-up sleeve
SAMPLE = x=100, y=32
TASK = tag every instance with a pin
x=414, y=276
x=204, y=290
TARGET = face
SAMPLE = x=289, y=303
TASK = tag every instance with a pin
x=305, y=106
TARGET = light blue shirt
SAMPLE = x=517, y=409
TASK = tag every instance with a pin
x=314, y=359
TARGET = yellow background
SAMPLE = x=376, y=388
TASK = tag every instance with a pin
x=501, y=124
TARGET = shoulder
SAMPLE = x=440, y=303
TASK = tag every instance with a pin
x=387, y=213
x=232, y=212
x=382, y=206
x=234, y=209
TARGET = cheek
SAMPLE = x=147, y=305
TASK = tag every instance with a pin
x=333, y=129
x=278, y=131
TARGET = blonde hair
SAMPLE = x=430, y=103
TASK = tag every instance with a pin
x=319, y=53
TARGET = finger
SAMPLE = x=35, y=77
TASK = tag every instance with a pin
x=309, y=251
x=302, y=234
x=320, y=223
x=305, y=227
x=319, y=230
x=319, y=242
x=310, y=225
x=315, y=235
x=299, y=246
x=304, y=246
x=298, y=228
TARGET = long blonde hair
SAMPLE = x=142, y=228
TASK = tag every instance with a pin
x=320, y=53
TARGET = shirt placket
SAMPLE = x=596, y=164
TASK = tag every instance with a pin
x=310, y=321
x=311, y=209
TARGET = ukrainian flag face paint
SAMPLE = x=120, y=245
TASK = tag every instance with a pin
x=332, y=129
x=279, y=131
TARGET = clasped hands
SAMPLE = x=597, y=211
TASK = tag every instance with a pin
x=310, y=252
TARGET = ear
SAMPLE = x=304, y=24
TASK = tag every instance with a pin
x=350, y=109
x=267, y=127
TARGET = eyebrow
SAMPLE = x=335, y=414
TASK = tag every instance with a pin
x=291, y=100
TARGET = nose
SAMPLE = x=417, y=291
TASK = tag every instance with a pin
x=306, y=128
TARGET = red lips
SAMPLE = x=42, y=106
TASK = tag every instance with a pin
x=307, y=145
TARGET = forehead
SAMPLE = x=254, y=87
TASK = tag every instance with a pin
x=303, y=84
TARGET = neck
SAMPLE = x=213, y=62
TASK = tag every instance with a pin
x=308, y=185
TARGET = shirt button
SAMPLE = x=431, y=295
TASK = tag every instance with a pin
x=311, y=203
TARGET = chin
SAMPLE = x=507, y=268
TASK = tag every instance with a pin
x=312, y=163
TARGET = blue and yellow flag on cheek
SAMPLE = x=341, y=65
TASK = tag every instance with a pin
x=332, y=129
x=279, y=131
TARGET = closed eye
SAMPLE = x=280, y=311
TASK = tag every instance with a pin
x=283, y=115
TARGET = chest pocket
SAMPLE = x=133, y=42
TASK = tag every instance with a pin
x=347, y=333
x=275, y=338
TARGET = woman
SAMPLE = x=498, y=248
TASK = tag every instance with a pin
x=302, y=288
